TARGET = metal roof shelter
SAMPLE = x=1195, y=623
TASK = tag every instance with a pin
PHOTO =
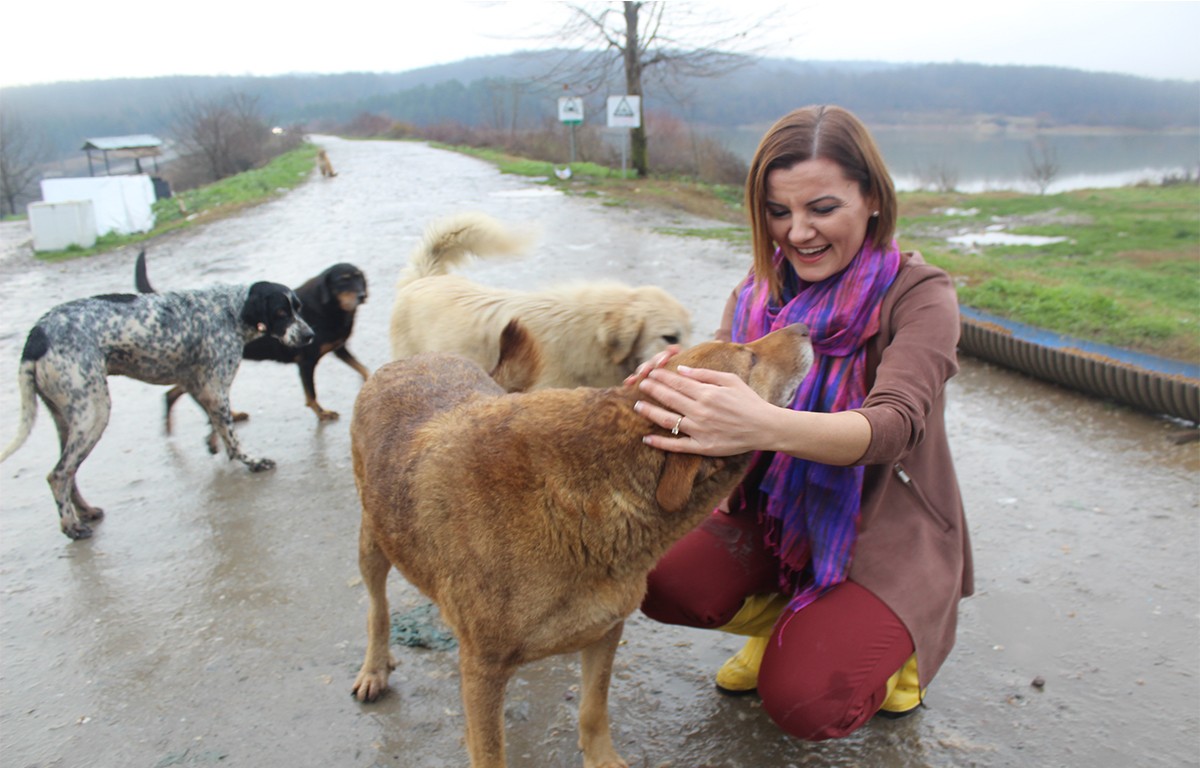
x=136, y=147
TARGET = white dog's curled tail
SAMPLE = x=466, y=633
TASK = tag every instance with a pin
x=452, y=240
x=28, y=388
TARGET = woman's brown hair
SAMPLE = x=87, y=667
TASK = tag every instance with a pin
x=825, y=132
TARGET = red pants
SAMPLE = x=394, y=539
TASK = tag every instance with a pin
x=826, y=668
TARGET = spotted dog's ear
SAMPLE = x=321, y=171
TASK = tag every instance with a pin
x=254, y=311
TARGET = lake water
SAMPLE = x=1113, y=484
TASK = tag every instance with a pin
x=982, y=161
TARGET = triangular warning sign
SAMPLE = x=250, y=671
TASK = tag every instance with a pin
x=623, y=109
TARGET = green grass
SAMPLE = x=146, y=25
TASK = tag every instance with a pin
x=211, y=201
x=1128, y=273
x=734, y=235
x=522, y=166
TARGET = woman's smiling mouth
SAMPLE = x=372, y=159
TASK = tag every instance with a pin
x=811, y=254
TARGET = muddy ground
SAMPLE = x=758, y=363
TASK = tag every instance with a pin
x=216, y=618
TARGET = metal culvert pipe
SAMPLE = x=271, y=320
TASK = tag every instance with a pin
x=1146, y=382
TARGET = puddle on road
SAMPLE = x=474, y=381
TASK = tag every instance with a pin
x=1003, y=238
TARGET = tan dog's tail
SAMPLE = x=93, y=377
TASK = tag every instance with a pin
x=28, y=407
x=452, y=240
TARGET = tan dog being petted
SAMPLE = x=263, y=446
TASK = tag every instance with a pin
x=531, y=519
x=591, y=334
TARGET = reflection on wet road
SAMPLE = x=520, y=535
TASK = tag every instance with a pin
x=217, y=617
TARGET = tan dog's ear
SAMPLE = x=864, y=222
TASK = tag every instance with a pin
x=676, y=481
x=618, y=334
x=680, y=474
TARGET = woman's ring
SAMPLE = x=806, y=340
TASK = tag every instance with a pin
x=675, y=429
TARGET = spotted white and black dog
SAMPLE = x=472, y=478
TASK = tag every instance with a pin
x=190, y=338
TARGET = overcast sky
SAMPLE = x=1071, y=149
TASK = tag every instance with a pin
x=76, y=40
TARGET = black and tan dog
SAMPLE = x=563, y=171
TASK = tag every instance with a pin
x=192, y=339
x=328, y=304
x=531, y=519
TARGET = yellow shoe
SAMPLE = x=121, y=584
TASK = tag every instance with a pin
x=756, y=618
x=904, y=691
x=739, y=675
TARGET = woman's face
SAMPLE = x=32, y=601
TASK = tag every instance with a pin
x=817, y=217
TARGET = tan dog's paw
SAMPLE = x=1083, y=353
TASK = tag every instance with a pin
x=602, y=754
x=612, y=761
x=324, y=415
x=370, y=684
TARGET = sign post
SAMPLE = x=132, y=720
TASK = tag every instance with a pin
x=624, y=112
x=570, y=112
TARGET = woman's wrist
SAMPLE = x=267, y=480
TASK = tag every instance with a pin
x=839, y=439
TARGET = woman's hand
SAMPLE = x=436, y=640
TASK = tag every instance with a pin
x=714, y=413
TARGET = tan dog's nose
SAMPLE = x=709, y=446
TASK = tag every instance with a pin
x=799, y=328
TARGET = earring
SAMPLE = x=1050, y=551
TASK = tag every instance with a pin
x=875, y=215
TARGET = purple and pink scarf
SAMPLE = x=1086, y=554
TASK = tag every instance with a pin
x=809, y=510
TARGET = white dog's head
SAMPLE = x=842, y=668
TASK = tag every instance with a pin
x=650, y=321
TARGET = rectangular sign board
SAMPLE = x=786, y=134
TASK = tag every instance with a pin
x=624, y=111
x=570, y=110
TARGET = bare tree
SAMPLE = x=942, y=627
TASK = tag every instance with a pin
x=505, y=101
x=224, y=135
x=939, y=176
x=651, y=49
x=22, y=152
x=1043, y=165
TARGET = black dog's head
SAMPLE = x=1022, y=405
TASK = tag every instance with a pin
x=346, y=283
x=275, y=311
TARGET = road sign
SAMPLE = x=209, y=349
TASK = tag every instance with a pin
x=624, y=111
x=570, y=110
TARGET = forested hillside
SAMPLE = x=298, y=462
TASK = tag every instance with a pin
x=500, y=92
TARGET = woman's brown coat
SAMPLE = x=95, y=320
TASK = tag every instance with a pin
x=913, y=550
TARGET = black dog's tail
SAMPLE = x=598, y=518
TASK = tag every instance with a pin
x=140, y=279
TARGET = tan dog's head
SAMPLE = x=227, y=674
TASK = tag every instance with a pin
x=772, y=366
x=648, y=322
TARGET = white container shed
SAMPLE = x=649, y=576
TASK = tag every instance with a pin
x=58, y=226
x=123, y=204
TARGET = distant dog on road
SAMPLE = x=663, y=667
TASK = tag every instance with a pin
x=324, y=164
x=531, y=519
x=591, y=334
x=190, y=338
x=328, y=304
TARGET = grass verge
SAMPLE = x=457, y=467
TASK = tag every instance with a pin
x=1126, y=271
x=212, y=201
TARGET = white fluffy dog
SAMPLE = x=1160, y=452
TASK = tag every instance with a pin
x=591, y=334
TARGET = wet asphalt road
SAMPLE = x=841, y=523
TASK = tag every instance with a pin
x=216, y=618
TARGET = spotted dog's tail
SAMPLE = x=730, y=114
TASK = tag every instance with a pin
x=35, y=346
x=452, y=240
x=140, y=278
